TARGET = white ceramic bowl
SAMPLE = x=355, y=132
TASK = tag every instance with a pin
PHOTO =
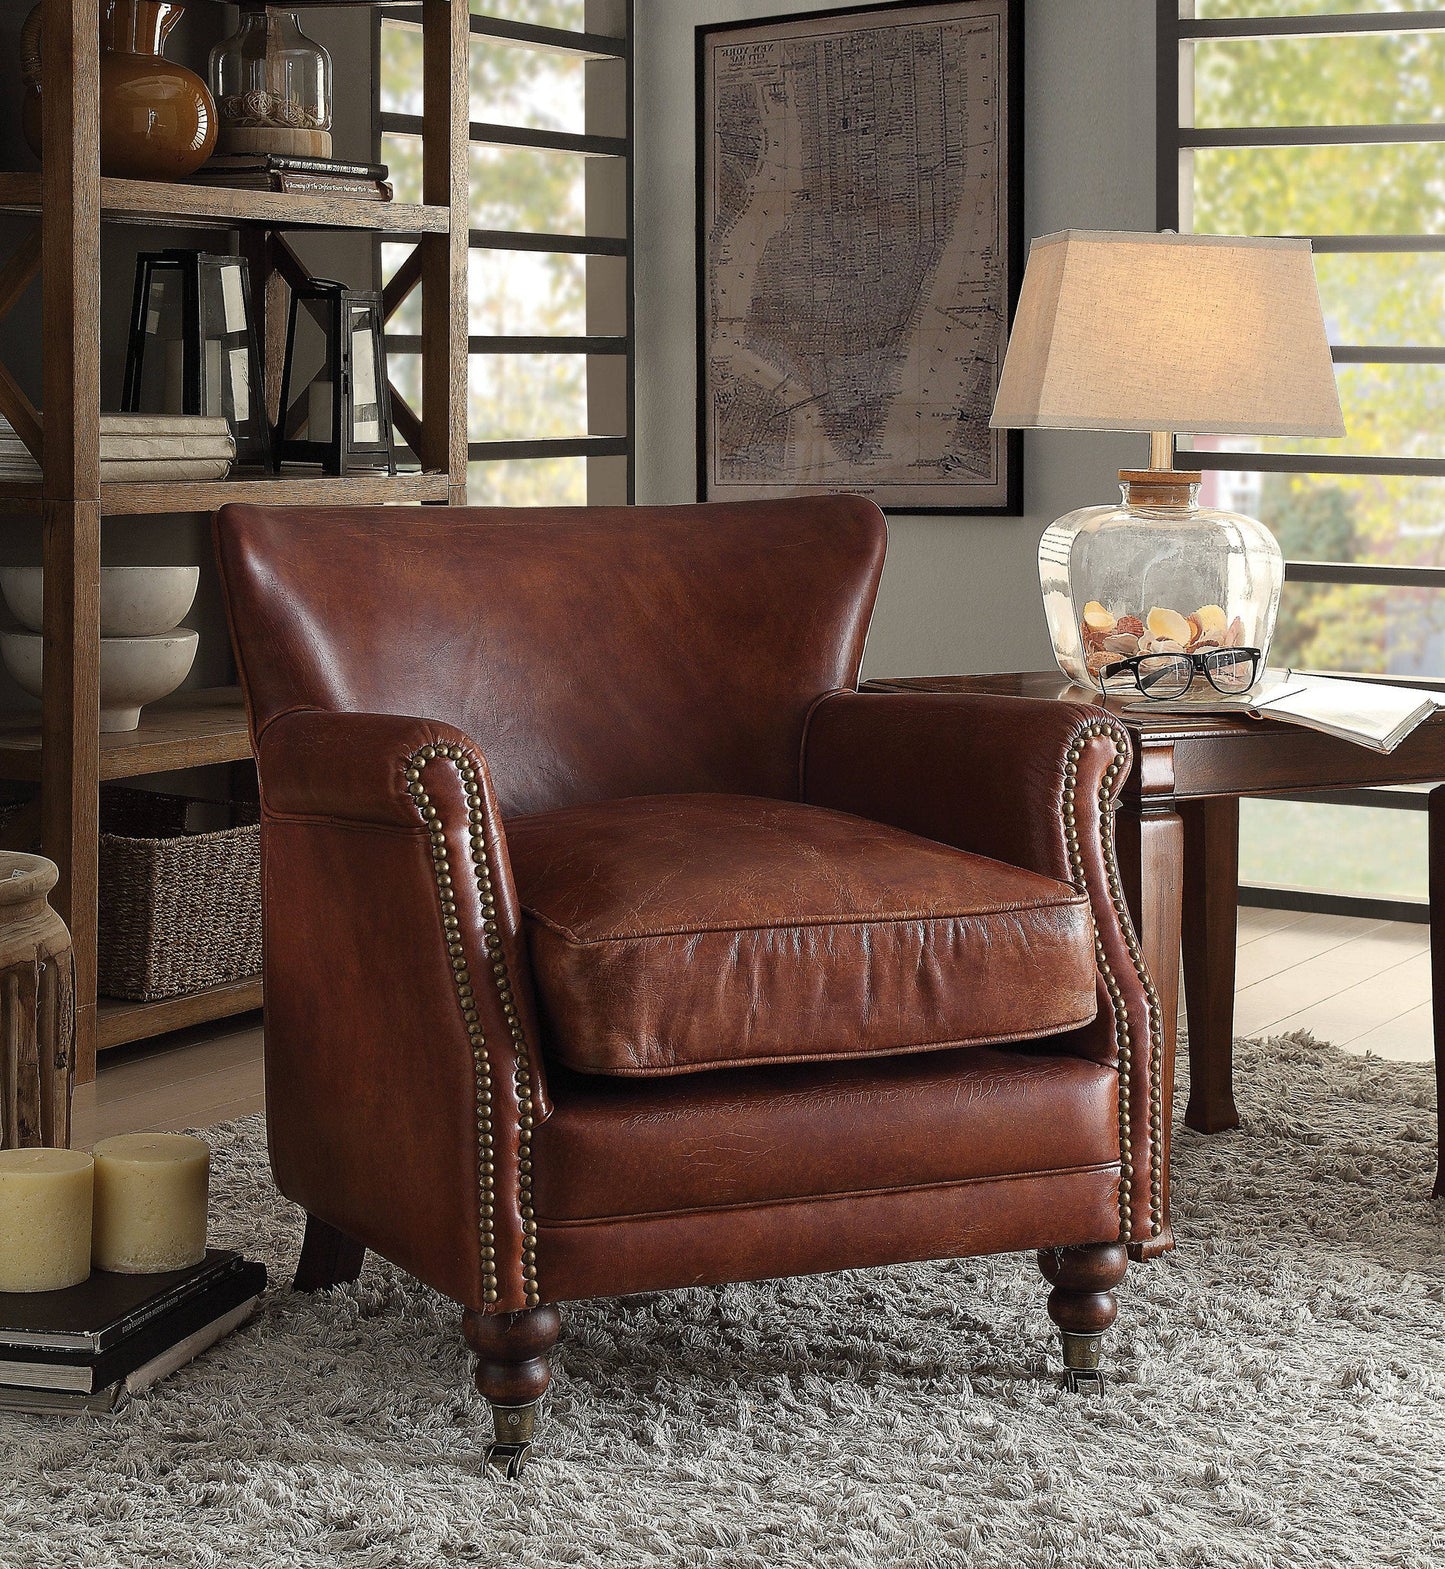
x=133, y=670
x=134, y=601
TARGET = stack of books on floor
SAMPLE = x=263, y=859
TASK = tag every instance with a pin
x=154, y=448
x=87, y=1348
x=303, y=176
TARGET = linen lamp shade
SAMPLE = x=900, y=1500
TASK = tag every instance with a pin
x=1168, y=332
x=1165, y=333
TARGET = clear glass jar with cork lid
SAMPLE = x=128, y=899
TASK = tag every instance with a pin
x=1130, y=588
x=272, y=86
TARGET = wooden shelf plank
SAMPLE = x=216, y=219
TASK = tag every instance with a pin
x=132, y=497
x=287, y=489
x=118, y=1022
x=191, y=730
x=189, y=206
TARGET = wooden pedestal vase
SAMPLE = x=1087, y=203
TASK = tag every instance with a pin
x=37, y=1007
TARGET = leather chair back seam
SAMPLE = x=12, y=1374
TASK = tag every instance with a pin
x=359, y=825
x=813, y=707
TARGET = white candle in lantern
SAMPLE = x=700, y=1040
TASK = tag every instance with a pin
x=45, y=1206
x=150, y=1202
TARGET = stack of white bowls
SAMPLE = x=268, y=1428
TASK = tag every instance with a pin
x=145, y=653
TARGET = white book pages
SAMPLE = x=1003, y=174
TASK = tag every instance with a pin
x=1368, y=713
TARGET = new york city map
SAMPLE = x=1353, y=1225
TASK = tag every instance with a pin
x=855, y=272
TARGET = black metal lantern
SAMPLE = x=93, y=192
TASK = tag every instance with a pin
x=193, y=346
x=335, y=408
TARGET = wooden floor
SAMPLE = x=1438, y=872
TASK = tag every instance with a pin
x=187, y=1080
x=1365, y=985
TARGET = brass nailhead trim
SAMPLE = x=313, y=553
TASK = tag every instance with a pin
x=461, y=974
x=1122, y=1041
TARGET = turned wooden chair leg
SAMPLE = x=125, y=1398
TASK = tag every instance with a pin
x=1082, y=1303
x=328, y=1258
x=512, y=1373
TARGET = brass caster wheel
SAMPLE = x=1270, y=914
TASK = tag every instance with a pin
x=1081, y=1363
x=509, y=1459
x=1079, y=1379
x=513, y=1426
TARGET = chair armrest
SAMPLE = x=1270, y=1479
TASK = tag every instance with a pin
x=1032, y=783
x=402, y=1070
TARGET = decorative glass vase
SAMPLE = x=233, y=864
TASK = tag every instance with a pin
x=1157, y=574
x=273, y=87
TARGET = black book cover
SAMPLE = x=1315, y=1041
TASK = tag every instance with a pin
x=92, y=1316
x=288, y=163
x=90, y=1372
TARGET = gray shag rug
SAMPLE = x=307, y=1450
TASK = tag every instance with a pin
x=1278, y=1396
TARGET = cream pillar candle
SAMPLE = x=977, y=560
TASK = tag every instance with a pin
x=150, y=1202
x=45, y=1205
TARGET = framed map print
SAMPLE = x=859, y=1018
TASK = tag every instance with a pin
x=859, y=246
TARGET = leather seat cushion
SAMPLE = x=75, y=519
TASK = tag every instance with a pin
x=676, y=933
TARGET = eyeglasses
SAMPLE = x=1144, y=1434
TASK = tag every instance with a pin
x=1230, y=671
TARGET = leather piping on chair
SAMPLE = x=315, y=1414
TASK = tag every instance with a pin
x=1117, y=734
x=522, y=1083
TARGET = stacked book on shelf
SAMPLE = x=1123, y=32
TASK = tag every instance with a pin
x=89, y=1347
x=152, y=447
x=301, y=176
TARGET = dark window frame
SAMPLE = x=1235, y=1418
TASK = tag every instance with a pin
x=1173, y=33
x=584, y=45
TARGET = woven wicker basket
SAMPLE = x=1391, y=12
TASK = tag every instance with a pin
x=179, y=910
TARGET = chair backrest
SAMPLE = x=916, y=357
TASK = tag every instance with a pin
x=591, y=652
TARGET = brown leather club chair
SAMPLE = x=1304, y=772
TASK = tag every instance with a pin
x=615, y=942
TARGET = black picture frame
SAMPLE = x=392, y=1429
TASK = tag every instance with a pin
x=1008, y=470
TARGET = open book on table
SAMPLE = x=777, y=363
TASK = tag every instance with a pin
x=1366, y=712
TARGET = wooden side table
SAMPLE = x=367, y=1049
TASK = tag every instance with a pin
x=1178, y=828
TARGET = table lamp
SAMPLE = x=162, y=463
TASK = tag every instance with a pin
x=1165, y=333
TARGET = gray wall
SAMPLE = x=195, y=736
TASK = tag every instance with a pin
x=959, y=593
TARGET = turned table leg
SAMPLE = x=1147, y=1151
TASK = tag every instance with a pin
x=1211, y=931
x=1083, y=1304
x=513, y=1372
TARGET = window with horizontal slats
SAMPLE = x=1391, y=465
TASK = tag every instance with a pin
x=1326, y=118
x=549, y=282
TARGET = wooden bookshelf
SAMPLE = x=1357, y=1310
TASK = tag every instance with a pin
x=350, y=490
x=70, y=201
